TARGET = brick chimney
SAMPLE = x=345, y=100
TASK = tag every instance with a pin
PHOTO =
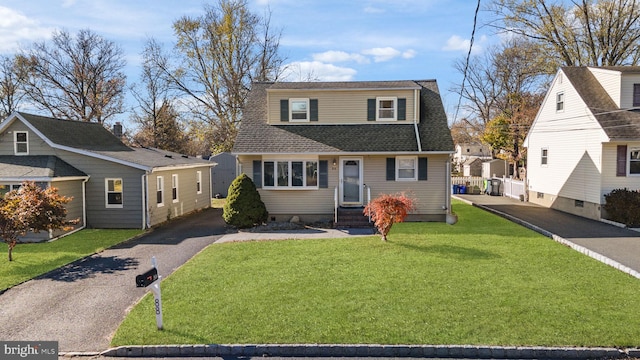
x=117, y=130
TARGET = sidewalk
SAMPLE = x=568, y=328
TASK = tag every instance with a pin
x=613, y=245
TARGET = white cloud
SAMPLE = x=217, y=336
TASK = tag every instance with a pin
x=456, y=43
x=16, y=28
x=382, y=54
x=409, y=54
x=316, y=71
x=333, y=56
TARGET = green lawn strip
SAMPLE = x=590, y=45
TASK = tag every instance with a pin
x=483, y=281
x=33, y=259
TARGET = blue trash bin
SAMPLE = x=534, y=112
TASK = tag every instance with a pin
x=455, y=189
x=463, y=189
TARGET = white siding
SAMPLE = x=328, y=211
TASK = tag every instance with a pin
x=627, y=89
x=609, y=179
x=611, y=82
x=573, y=139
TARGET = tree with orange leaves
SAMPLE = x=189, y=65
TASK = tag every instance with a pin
x=387, y=210
x=31, y=208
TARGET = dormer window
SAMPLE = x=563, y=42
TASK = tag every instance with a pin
x=21, y=143
x=386, y=108
x=636, y=95
x=299, y=109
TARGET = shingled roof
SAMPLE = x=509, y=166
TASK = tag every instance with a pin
x=257, y=137
x=618, y=124
x=38, y=166
x=95, y=140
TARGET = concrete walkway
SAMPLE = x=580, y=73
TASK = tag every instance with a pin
x=82, y=304
x=616, y=246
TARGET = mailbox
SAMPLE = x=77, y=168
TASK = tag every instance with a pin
x=147, y=278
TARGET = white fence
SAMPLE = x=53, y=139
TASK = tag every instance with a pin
x=513, y=188
x=467, y=180
x=509, y=187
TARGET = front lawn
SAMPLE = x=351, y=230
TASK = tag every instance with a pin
x=31, y=260
x=483, y=281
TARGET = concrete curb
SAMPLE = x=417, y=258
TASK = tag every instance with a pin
x=368, y=350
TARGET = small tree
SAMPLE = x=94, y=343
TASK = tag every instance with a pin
x=244, y=208
x=31, y=208
x=387, y=210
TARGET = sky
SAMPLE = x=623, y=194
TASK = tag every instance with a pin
x=331, y=40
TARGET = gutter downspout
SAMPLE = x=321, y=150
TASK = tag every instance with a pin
x=415, y=119
x=84, y=202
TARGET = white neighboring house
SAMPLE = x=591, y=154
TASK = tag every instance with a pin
x=585, y=140
x=470, y=151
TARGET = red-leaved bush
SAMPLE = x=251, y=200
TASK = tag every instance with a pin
x=386, y=210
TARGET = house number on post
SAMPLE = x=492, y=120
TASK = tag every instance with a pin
x=152, y=279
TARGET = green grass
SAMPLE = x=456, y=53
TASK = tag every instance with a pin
x=218, y=203
x=31, y=260
x=483, y=281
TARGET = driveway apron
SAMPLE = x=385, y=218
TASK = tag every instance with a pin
x=81, y=305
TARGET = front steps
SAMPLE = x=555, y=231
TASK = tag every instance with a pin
x=352, y=218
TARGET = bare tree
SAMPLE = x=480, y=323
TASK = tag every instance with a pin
x=513, y=67
x=76, y=77
x=11, y=80
x=579, y=33
x=152, y=95
x=219, y=54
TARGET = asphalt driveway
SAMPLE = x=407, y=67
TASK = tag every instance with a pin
x=81, y=305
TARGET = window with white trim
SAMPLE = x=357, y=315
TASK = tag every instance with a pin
x=544, y=156
x=198, y=182
x=5, y=188
x=160, y=191
x=634, y=161
x=290, y=174
x=560, y=101
x=113, y=193
x=299, y=110
x=174, y=188
x=406, y=168
x=386, y=108
x=21, y=143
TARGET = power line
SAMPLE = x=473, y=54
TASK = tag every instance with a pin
x=466, y=64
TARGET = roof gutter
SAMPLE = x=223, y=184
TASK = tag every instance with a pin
x=415, y=119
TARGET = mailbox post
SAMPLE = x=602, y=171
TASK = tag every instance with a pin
x=152, y=279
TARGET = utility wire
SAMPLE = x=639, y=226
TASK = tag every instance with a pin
x=466, y=64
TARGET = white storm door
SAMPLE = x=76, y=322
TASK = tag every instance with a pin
x=351, y=181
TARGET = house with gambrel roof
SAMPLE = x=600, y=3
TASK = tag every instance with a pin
x=585, y=139
x=112, y=185
x=313, y=148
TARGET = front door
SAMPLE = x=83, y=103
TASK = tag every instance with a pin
x=351, y=181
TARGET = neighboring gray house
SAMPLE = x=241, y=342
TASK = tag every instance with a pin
x=112, y=185
x=313, y=148
x=223, y=173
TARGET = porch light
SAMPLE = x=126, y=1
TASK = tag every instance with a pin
x=335, y=162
